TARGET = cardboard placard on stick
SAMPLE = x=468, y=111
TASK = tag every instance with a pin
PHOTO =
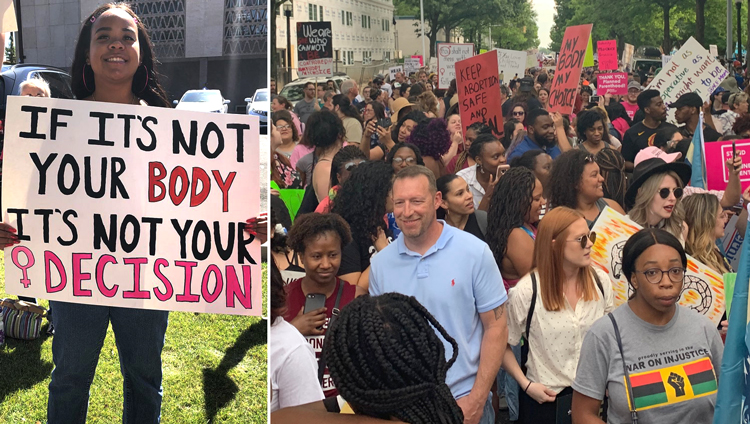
x=691, y=70
x=448, y=55
x=478, y=92
x=314, y=49
x=568, y=70
x=703, y=289
x=607, y=50
x=132, y=206
x=612, y=83
x=411, y=65
x=511, y=63
x=392, y=71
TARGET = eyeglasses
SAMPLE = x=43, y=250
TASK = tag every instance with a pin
x=584, y=240
x=664, y=193
x=409, y=161
x=519, y=113
x=655, y=275
x=351, y=165
x=590, y=159
x=283, y=127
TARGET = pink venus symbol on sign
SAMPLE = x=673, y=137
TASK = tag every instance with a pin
x=29, y=263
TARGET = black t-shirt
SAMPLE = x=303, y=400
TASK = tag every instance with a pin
x=472, y=227
x=710, y=134
x=637, y=139
x=355, y=259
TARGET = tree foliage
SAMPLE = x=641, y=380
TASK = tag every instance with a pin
x=642, y=23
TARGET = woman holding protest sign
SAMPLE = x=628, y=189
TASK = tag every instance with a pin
x=114, y=62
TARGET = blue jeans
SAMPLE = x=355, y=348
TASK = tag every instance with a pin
x=488, y=416
x=508, y=385
x=79, y=336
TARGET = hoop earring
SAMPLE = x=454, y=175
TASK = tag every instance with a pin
x=479, y=167
x=137, y=77
x=83, y=72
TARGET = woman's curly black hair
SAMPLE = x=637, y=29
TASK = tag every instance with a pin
x=432, y=138
x=387, y=361
x=311, y=225
x=361, y=201
x=565, y=178
x=586, y=120
x=510, y=203
x=145, y=81
x=398, y=146
x=415, y=115
x=346, y=154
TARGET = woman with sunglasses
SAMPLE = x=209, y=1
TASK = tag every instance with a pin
x=656, y=188
x=346, y=160
x=672, y=354
x=552, y=308
x=518, y=112
x=576, y=182
x=289, y=135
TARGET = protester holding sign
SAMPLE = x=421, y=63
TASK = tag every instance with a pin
x=650, y=355
x=80, y=329
x=656, y=188
x=688, y=108
x=552, y=308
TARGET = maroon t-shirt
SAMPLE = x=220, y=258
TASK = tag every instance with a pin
x=295, y=301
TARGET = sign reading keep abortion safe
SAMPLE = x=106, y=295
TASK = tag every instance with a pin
x=132, y=206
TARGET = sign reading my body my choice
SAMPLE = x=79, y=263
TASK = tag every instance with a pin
x=314, y=49
x=132, y=206
x=568, y=72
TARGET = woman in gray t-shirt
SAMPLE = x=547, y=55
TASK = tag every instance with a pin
x=673, y=354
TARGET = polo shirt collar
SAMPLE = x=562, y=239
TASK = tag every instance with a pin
x=445, y=235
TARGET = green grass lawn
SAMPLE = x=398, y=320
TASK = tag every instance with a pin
x=214, y=372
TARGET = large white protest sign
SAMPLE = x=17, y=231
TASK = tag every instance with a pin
x=510, y=63
x=691, y=70
x=448, y=55
x=132, y=206
x=411, y=65
x=702, y=291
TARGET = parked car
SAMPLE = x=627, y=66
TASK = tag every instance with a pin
x=12, y=76
x=259, y=105
x=203, y=101
x=295, y=90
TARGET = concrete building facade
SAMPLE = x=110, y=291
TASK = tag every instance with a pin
x=219, y=44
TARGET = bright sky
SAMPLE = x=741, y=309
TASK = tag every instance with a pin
x=545, y=10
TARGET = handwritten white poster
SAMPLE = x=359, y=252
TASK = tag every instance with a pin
x=511, y=63
x=448, y=55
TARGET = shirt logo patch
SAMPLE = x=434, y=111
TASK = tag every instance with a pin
x=641, y=133
x=675, y=384
x=453, y=282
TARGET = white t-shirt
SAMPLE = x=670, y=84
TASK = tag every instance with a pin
x=294, y=370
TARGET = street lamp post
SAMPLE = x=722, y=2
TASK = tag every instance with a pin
x=288, y=8
x=739, y=30
x=729, y=31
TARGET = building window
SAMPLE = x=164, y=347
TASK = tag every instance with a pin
x=366, y=22
x=351, y=58
x=321, y=13
x=245, y=27
x=343, y=18
x=349, y=19
x=366, y=58
x=312, y=12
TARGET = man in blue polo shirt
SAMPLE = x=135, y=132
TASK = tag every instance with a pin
x=540, y=135
x=454, y=275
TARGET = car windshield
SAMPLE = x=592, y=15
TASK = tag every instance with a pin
x=201, y=96
x=293, y=93
x=261, y=96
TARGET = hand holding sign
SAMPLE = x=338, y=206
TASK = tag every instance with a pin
x=8, y=236
x=568, y=72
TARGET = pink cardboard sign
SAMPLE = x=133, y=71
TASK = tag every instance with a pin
x=613, y=83
x=607, y=50
x=717, y=153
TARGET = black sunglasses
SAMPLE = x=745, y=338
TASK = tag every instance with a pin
x=584, y=240
x=664, y=193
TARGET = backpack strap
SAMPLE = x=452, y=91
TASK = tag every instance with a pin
x=628, y=386
x=598, y=282
x=533, y=304
x=334, y=314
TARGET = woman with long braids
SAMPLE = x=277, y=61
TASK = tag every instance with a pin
x=388, y=363
x=363, y=202
x=612, y=167
x=344, y=163
x=513, y=215
x=488, y=154
x=111, y=31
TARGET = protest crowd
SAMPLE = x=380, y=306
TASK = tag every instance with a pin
x=432, y=270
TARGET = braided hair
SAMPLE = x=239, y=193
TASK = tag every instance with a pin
x=510, y=203
x=612, y=167
x=346, y=154
x=386, y=359
x=479, y=129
